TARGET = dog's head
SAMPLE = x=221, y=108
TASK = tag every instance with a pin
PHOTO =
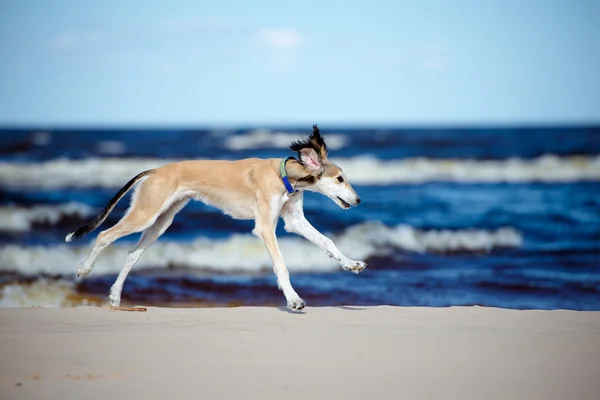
x=325, y=177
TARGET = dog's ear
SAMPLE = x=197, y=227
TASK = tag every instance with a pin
x=319, y=142
x=311, y=160
x=312, y=151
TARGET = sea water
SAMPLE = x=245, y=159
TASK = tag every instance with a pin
x=502, y=217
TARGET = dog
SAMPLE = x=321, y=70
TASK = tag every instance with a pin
x=253, y=188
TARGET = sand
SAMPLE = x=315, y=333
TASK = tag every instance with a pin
x=324, y=353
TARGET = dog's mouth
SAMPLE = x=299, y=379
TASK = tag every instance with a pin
x=344, y=204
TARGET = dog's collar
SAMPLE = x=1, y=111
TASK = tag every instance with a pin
x=286, y=181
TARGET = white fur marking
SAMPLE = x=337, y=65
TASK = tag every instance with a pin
x=296, y=222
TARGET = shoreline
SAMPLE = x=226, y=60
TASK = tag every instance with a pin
x=324, y=352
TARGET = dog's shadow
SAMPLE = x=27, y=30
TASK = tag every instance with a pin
x=353, y=308
x=290, y=311
x=304, y=311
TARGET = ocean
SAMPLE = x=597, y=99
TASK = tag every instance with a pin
x=497, y=217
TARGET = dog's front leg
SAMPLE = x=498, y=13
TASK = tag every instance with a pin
x=295, y=221
x=265, y=229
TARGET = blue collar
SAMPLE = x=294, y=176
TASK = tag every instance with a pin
x=284, y=177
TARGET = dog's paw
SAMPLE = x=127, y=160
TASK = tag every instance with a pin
x=81, y=272
x=296, y=304
x=114, y=301
x=84, y=270
x=355, y=266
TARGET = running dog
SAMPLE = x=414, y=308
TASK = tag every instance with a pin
x=253, y=188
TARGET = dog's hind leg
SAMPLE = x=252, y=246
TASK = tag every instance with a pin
x=147, y=203
x=149, y=236
x=105, y=238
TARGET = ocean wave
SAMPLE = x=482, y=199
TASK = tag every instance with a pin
x=41, y=293
x=21, y=219
x=115, y=172
x=247, y=253
x=547, y=168
x=264, y=138
x=62, y=172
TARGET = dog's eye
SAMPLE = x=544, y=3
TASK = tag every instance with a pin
x=340, y=179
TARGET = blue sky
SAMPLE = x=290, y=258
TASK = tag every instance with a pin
x=199, y=63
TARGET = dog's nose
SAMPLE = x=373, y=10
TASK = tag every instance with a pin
x=357, y=200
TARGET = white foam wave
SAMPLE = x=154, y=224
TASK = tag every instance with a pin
x=547, y=168
x=115, y=172
x=62, y=172
x=264, y=138
x=247, y=253
x=41, y=293
x=20, y=219
x=111, y=147
x=41, y=138
x=406, y=237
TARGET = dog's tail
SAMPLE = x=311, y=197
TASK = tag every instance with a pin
x=96, y=222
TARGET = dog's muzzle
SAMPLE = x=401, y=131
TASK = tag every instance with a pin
x=348, y=205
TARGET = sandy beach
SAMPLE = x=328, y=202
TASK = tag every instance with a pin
x=323, y=353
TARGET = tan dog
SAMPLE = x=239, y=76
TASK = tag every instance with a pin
x=259, y=189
